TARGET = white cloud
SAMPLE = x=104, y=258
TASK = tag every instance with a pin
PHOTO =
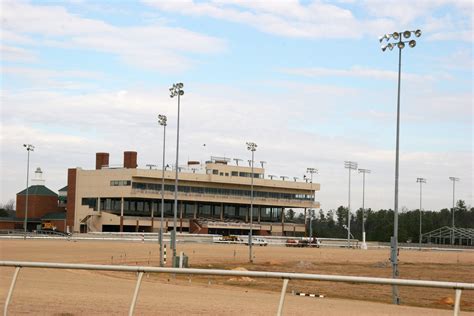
x=151, y=46
x=68, y=129
x=17, y=54
x=322, y=20
x=357, y=72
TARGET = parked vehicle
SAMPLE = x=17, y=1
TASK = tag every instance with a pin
x=256, y=241
x=231, y=239
x=303, y=242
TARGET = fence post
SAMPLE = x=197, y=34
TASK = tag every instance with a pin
x=135, y=295
x=457, y=302
x=282, y=297
x=10, y=291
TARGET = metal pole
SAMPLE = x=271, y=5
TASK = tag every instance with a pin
x=25, y=225
x=10, y=291
x=135, y=294
x=349, y=214
x=251, y=212
x=175, y=214
x=395, y=273
x=282, y=297
x=452, y=225
x=364, y=245
x=421, y=182
x=162, y=196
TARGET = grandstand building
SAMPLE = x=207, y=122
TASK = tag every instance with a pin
x=213, y=197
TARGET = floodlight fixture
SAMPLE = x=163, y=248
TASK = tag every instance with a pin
x=251, y=146
x=401, y=45
x=162, y=120
x=237, y=161
x=412, y=43
x=406, y=34
x=176, y=90
x=418, y=33
x=396, y=35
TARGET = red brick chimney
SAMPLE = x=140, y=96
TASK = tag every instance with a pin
x=101, y=160
x=130, y=159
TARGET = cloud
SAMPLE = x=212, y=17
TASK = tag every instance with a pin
x=356, y=72
x=17, y=54
x=322, y=20
x=68, y=129
x=154, y=46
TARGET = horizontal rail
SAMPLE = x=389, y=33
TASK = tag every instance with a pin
x=255, y=274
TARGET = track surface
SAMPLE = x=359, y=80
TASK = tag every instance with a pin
x=65, y=292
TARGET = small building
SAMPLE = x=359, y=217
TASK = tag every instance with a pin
x=42, y=202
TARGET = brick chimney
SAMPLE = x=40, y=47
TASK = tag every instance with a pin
x=101, y=160
x=130, y=159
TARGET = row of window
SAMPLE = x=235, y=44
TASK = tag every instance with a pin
x=143, y=207
x=115, y=183
x=222, y=191
x=235, y=174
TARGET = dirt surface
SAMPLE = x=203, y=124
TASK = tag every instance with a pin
x=74, y=292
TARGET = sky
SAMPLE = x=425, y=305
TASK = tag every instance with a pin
x=305, y=80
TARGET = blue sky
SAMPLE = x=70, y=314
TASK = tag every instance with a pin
x=306, y=80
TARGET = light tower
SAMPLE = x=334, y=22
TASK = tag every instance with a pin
x=176, y=90
x=350, y=165
x=420, y=181
x=363, y=171
x=398, y=37
x=252, y=147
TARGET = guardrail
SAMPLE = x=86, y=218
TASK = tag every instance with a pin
x=458, y=287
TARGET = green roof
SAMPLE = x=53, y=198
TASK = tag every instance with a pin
x=57, y=215
x=38, y=190
x=63, y=189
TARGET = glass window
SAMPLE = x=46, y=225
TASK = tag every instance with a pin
x=215, y=171
x=234, y=173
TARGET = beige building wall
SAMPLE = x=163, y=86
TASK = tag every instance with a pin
x=97, y=184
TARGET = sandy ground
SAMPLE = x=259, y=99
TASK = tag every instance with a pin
x=73, y=292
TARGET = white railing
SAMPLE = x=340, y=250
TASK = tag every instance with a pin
x=458, y=287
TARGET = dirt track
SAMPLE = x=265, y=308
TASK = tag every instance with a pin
x=68, y=292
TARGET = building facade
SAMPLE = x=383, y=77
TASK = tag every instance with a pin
x=212, y=198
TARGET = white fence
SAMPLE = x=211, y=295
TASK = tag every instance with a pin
x=458, y=287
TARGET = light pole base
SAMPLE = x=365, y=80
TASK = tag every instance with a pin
x=363, y=245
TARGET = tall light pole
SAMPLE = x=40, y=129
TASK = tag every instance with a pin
x=363, y=171
x=454, y=179
x=29, y=148
x=176, y=90
x=162, y=120
x=311, y=171
x=420, y=181
x=350, y=165
x=397, y=36
x=252, y=147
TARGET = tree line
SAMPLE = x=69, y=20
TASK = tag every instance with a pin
x=379, y=224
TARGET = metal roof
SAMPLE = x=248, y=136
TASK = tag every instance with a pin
x=38, y=190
